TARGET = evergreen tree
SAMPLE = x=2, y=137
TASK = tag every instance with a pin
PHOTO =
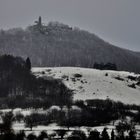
x=7, y=119
x=112, y=135
x=94, y=135
x=132, y=135
x=28, y=64
x=105, y=135
x=21, y=136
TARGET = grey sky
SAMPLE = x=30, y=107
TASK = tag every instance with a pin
x=116, y=21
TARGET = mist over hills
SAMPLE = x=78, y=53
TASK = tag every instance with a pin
x=57, y=44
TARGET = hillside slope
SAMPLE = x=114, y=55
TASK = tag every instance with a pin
x=61, y=45
x=96, y=84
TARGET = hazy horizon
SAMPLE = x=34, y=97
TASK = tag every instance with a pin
x=116, y=22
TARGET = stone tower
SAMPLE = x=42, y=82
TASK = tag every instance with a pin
x=40, y=21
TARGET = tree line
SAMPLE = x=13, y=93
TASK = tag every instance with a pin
x=107, y=66
x=6, y=132
x=20, y=88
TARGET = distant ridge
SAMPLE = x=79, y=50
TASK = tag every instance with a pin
x=57, y=44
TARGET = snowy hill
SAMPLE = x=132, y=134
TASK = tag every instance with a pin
x=96, y=84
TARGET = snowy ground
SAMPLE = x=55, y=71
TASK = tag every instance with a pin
x=95, y=84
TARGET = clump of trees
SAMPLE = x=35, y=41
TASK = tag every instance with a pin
x=137, y=117
x=6, y=125
x=98, y=113
x=6, y=132
x=95, y=135
x=20, y=88
x=107, y=66
x=61, y=134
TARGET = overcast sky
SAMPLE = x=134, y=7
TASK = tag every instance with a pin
x=116, y=21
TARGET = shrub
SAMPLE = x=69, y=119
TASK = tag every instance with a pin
x=79, y=133
x=77, y=75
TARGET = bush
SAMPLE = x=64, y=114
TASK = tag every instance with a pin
x=77, y=75
x=80, y=134
x=94, y=135
x=31, y=137
x=75, y=137
x=42, y=135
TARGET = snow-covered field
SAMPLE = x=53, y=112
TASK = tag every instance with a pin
x=95, y=84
